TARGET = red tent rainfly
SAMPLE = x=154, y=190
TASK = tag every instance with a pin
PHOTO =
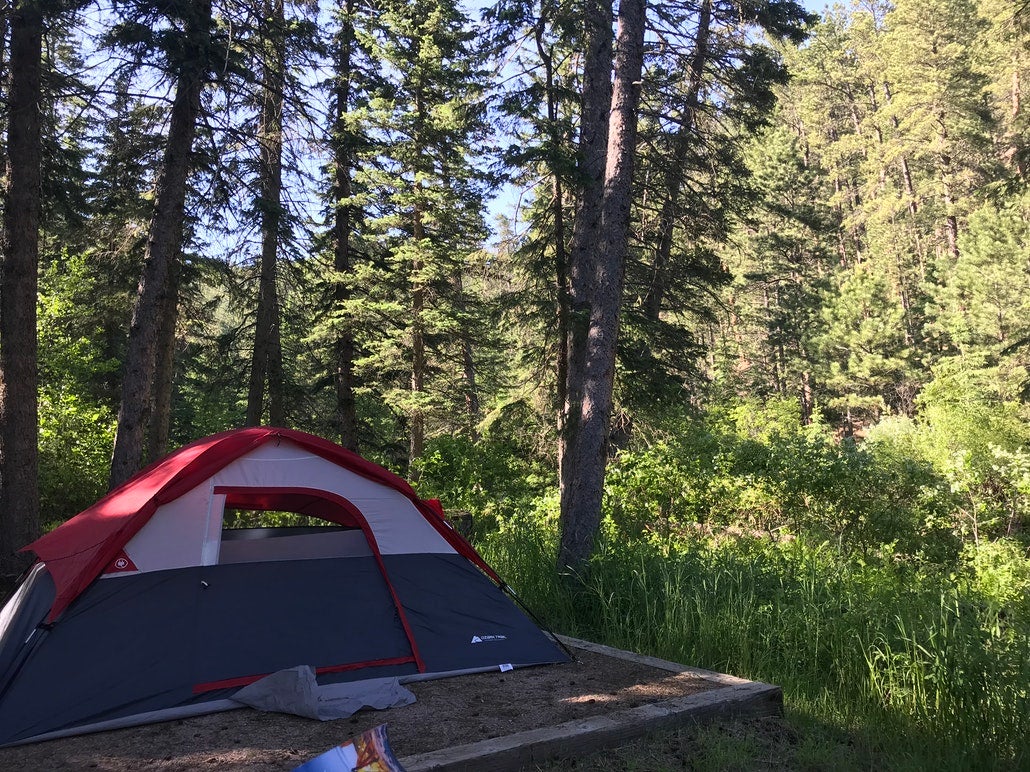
x=173, y=611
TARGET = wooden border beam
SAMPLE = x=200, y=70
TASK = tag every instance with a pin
x=733, y=697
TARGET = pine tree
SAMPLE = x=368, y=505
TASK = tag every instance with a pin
x=344, y=142
x=703, y=104
x=782, y=265
x=267, y=359
x=540, y=100
x=128, y=142
x=1003, y=54
x=19, y=418
x=190, y=58
x=888, y=106
x=863, y=350
x=984, y=300
x=938, y=100
x=593, y=338
x=425, y=199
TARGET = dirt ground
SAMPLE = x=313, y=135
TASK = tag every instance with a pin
x=448, y=712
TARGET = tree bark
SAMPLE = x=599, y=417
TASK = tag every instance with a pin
x=468, y=364
x=5, y=27
x=417, y=419
x=906, y=171
x=593, y=148
x=581, y=497
x=266, y=362
x=419, y=365
x=1016, y=143
x=946, y=172
x=19, y=374
x=806, y=399
x=913, y=210
x=164, y=244
x=161, y=420
x=346, y=405
x=472, y=407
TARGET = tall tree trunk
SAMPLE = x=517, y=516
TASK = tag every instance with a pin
x=674, y=173
x=19, y=374
x=910, y=195
x=276, y=411
x=472, y=408
x=468, y=364
x=161, y=417
x=1017, y=137
x=581, y=497
x=593, y=148
x=946, y=173
x=5, y=27
x=906, y=171
x=417, y=420
x=346, y=405
x=561, y=258
x=805, y=398
x=266, y=362
x=164, y=244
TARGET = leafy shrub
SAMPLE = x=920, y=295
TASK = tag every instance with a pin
x=743, y=474
x=659, y=489
x=975, y=442
x=998, y=572
x=916, y=656
x=493, y=480
x=75, y=441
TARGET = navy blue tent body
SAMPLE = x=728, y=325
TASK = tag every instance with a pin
x=183, y=612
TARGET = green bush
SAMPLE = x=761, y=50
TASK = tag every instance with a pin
x=978, y=441
x=784, y=482
x=75, y=441
x=930, y=666
x=492, y=480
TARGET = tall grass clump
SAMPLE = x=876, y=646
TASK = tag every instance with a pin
x=884, y=584
x=926, y=666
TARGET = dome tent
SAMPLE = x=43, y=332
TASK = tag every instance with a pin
x=144, y=608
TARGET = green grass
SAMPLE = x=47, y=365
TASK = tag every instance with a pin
x=917, y=667
x=741, y=745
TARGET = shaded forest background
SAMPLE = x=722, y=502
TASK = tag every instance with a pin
x=828, y=221
x=413, y=228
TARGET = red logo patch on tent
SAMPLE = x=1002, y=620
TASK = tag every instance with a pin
x=121, y=562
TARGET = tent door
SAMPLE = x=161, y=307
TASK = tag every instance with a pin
x=338, y=614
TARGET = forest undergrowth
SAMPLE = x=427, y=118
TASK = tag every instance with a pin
x=852, y=575
x=921, y=668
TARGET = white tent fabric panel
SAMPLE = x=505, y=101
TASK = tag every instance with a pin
x=398, y=526
x=187, y=531
x=175, y=536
